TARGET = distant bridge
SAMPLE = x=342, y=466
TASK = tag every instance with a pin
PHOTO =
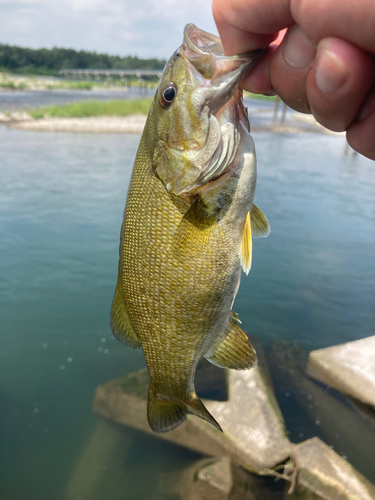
x=98, y=74
x=124, y=77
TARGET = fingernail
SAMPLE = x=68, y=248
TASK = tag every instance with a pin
x=367, y=107
x=331, y=72
x=299, y=50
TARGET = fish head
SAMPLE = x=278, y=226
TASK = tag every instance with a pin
x=198, y=110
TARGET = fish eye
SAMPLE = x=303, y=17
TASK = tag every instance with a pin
x=167, y=94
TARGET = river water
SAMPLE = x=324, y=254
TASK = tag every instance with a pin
x=62, y=197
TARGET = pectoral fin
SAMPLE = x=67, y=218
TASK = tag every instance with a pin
x=256, y=225
x=235, y=351
x=246, y=245
x=194, y=229
x=120, y=322
x=259, y=224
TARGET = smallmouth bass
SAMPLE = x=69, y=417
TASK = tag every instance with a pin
x=188, y=225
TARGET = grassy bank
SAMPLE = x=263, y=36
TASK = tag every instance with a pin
x=86, y=109
x=259, y=96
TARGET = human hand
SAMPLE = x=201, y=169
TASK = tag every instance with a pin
x=325, y=65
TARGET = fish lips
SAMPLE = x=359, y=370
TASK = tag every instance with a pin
x=205, y=53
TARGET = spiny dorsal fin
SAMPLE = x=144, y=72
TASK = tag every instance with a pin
x=259, y=223
x=165, y=414
x=120, y=322
x=235, y=351
x=246, y=245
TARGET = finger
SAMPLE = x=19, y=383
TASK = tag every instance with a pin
x=348, y=20
x=245, y=26
x=258, y=80
x=360, y=135
x=338, y=83
x=290, y=67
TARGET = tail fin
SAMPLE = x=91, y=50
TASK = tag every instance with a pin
x=165, y=414
x=196, y=407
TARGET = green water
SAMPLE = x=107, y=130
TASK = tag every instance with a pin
x=62, y=197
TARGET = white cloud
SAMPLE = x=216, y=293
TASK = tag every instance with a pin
x=144, y=27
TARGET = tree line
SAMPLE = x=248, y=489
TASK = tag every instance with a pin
x=50, y=61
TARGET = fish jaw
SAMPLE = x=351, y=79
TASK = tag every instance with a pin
x=209, y=102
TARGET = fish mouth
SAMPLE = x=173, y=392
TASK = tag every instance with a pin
x=206, y=53
x=201, y=42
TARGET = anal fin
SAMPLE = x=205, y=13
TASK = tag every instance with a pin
x=120, y=323
x=235, y=351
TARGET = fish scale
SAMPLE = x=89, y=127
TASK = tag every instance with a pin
x=182, y=240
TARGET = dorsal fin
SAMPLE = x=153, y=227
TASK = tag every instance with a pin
x=235, y=351
x=259, y=223
x=120, y=323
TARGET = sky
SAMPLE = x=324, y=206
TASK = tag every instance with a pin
x=146, y=28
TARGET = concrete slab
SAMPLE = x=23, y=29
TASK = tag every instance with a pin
x=254, y=432
x=252, y=421
x=106, y=445
x=217, y=479
x=349, y=368
x=324, y=475
x=318, y=410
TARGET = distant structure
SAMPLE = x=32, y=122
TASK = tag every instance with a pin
x=276, y=110
x=108, y=73
x=124, y=76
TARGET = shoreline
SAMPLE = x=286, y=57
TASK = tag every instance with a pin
x=132, y=124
